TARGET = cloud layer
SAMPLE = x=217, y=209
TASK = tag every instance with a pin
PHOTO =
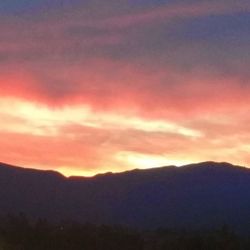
x=97, y=86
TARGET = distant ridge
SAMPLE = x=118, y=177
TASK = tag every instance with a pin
x=205, y=164
x=201, y=195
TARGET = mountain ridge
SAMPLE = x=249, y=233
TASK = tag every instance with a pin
x=203, y=164
x=200, y=195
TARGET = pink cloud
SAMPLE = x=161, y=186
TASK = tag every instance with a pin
x=106, y=85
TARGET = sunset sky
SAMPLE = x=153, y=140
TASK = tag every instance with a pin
x=109, y=85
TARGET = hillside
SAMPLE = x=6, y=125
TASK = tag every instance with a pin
x=195, y=196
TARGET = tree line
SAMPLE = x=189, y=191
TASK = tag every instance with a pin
x=21, y=233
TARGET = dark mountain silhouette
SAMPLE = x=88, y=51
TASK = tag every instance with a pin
x=195, y=196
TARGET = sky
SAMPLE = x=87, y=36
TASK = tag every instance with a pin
x=94, y=86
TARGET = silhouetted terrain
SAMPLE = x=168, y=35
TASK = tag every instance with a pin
x=18, y=233
x=198, y=196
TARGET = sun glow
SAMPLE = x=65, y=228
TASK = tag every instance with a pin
x=71, y=171
x=137, y=160
x=53, y=129
x=90, y=142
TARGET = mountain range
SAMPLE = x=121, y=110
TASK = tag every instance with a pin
x=195, y=196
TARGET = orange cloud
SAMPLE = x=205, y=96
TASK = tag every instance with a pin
x=77, y=141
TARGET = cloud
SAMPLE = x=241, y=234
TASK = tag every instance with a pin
x=94, y=87
x=149, y=92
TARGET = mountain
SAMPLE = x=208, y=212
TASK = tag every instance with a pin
x=194, y=196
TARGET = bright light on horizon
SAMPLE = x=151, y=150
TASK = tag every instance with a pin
x=144, y=161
